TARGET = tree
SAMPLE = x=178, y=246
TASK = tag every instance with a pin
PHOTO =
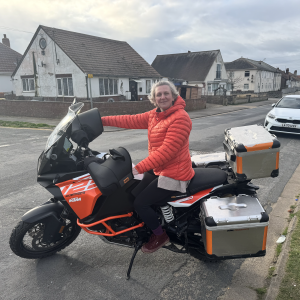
x=235, y=82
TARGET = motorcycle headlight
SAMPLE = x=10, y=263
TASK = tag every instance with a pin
x=271, y=116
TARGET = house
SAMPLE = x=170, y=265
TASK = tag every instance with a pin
x=60, y=65
x=204, y=69
x=289, y=80
x=8, y=62
x=250, y=75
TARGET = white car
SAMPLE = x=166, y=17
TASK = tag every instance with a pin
x=285, y=115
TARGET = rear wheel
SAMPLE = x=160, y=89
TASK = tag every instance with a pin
x=26, y=239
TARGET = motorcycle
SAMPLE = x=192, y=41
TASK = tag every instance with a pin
x=95, y=191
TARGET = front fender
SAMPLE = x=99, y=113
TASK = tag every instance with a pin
x=43, y=211
x=49, y=215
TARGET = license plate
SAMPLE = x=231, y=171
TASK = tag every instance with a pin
x=289, y=125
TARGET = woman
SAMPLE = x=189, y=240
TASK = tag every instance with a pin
x=169, y=127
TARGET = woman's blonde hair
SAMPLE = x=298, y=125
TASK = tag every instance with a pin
x=174, y=92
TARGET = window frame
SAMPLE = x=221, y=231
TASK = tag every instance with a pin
x=108, y=86
x=219, y=71
x=62, y=88
x=148, y=86
x=246, y=84
x=28, y=85
x=247, y=72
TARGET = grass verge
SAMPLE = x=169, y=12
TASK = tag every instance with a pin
x=261, y=292
x=290, y=285
x=18, y=124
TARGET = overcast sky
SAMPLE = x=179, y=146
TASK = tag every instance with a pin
x=266, y=30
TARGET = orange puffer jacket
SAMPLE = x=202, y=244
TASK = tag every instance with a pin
x=168, y=139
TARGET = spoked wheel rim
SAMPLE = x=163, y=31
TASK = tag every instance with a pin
x=33, y=238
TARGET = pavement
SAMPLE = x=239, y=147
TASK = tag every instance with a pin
x=257, y=268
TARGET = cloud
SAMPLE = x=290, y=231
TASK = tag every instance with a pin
x=257, y=29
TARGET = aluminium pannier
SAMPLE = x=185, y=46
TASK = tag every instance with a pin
x=252, y=152
x=234, y=227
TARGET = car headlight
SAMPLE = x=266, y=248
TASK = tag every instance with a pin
x=271, y=116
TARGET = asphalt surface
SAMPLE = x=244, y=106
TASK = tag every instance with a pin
x=92, y=269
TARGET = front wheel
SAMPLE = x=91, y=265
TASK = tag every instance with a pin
x=26, y=239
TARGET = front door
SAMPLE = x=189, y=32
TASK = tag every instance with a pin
x=133, y=90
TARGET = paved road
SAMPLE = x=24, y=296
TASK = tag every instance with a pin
x=91, y=269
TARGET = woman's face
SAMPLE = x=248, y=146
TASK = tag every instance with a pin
x=163, y=97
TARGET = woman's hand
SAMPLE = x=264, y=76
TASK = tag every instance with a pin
x=134, y=171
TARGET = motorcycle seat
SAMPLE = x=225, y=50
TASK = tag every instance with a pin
x=206, y=178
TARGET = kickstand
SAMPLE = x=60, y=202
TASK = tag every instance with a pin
x=138, y=246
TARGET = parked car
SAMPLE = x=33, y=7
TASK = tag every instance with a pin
x=285, y=115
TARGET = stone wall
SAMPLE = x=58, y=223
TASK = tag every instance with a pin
x=56, y=110
x=290, y=90
x=214, y=99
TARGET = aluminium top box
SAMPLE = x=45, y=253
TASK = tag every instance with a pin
x=252, y=152
x=234, y=227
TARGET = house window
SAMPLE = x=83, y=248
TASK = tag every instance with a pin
x=247, y=73
x=108, y=86
x=215, y=86
x=246, y=86
x=218, y=73
x=209, y=87
x=64, y=86
x=231, y=74
x=28, y=84
x=148, y=86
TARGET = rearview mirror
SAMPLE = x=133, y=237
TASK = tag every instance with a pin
x=273, y=104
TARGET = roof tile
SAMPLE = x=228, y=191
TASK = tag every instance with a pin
x=101, y=56
x=8, y=59
x=192, y=66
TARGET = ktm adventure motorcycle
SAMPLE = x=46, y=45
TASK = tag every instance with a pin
x=95, y=192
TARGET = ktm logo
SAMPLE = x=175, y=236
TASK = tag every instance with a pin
x=75, y=199
x=126, y=180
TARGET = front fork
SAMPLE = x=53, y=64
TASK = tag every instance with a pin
x=49, y=214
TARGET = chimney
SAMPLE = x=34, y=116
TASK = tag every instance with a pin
x=189, y=51
x=295, y=72
x=5, y=41
x=287, y=70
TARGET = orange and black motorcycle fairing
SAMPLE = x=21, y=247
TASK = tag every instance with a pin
x=99, y=198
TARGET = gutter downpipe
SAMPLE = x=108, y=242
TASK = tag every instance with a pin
x=91, y=97
x=87, y=88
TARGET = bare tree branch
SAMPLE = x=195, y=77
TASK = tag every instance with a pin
x=235, y=82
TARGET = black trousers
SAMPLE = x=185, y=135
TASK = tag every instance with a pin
x=150, y=195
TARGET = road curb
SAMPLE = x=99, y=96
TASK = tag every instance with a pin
x=279, y=271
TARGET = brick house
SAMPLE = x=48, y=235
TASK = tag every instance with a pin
x=60, y=65
x=8, y=61
x=289, y=80
x=204, y=69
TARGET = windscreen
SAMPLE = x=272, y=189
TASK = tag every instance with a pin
x=63, y=125
x=289, y=102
